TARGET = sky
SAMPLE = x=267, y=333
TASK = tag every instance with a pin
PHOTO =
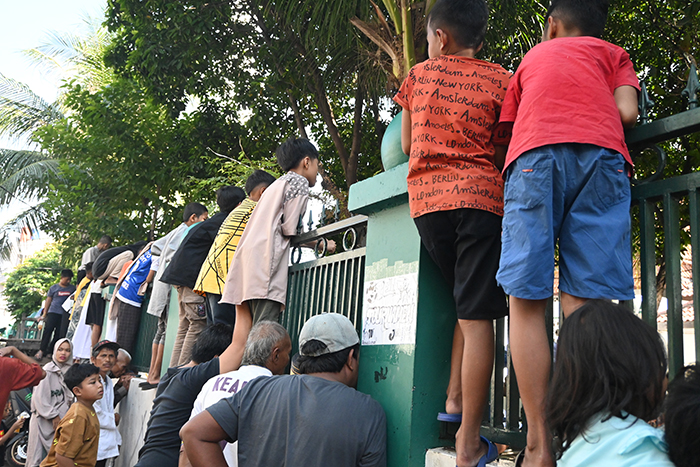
x=24, y=24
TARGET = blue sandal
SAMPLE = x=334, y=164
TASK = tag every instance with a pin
x=491, y=453
x=449, y=417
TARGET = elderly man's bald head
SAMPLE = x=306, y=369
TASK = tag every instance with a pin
x=123, y=362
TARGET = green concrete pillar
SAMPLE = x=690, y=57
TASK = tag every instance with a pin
x=408, y=320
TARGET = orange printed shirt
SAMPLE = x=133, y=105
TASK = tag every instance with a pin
x=455, y=103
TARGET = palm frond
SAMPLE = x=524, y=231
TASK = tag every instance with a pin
x=22, y=111
x=24, y=174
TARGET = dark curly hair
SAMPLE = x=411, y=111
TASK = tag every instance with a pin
x=608, y=362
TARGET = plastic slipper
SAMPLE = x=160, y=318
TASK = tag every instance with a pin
x=449, y=417
x=491, y=453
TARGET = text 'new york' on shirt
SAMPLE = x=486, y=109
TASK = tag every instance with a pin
x=455, y=103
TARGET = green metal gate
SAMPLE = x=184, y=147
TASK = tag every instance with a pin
x=327, y=284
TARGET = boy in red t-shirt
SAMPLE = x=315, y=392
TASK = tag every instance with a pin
x=450, y=129
x=567, y=181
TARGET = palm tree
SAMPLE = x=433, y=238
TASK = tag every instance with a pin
x=25, y=173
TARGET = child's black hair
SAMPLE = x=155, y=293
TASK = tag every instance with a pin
x=291, y=152
x=212, y=341
x=66, y=273
x=682, y=418
x=88, y=266
x=608, y=362
x=228, y=197
x=588, y=16
x=193, y=208
x=257, y=178
x=77, y=373
x=465, y=20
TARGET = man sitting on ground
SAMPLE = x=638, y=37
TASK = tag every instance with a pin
x=314, y=419
x=266, y=353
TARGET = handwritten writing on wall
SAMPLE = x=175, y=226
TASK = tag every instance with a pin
x=389, y=310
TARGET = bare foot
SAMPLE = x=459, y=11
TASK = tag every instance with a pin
x=469, y=451
x=39, y=355
x=454, y=405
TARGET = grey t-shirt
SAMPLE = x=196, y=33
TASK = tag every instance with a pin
x=303, y=421
x=59, y=295
x=172, y=407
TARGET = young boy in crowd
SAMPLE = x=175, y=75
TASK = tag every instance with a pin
x=567, y=172
x=78, y=433
x=257, y=280
x=212, y=275
x=6, y=434
x=450, y=129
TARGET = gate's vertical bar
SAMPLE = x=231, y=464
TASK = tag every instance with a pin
x=695, y=252
x=647, y=252
x=497, y=391
x=672, y=252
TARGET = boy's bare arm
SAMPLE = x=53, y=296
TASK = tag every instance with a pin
x=47, y=304
x=406, y=131
x=499, y=158
x=626, y=100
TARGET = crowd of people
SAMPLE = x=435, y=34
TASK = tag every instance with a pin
x=554, y=130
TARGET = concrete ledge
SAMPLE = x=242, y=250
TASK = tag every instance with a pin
x=446, y=457
x=383, y=191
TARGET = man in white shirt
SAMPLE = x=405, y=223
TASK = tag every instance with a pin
x=266, y=353
x=104, y=356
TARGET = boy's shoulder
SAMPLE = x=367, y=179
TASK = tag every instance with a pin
x=582, y=47
x=456, y=66
x=295, y=185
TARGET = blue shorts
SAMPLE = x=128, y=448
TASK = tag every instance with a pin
x=579, y=196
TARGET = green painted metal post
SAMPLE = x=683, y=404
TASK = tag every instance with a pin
x=695, y=252
x=648, y=253
x=405, y=354
x=672, y=251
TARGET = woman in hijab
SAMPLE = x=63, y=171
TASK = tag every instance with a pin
x=51, y=400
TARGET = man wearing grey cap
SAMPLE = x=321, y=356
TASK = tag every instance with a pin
x=314, y=419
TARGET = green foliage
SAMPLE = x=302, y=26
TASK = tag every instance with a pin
x=26, y=286
x=127, y=167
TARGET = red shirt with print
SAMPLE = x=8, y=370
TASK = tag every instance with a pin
x=455, y=103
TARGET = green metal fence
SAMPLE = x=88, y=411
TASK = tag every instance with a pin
x=328, y=283
x=661, y=202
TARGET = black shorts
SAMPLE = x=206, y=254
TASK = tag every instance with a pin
x=466, y=246
x=96, y=310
